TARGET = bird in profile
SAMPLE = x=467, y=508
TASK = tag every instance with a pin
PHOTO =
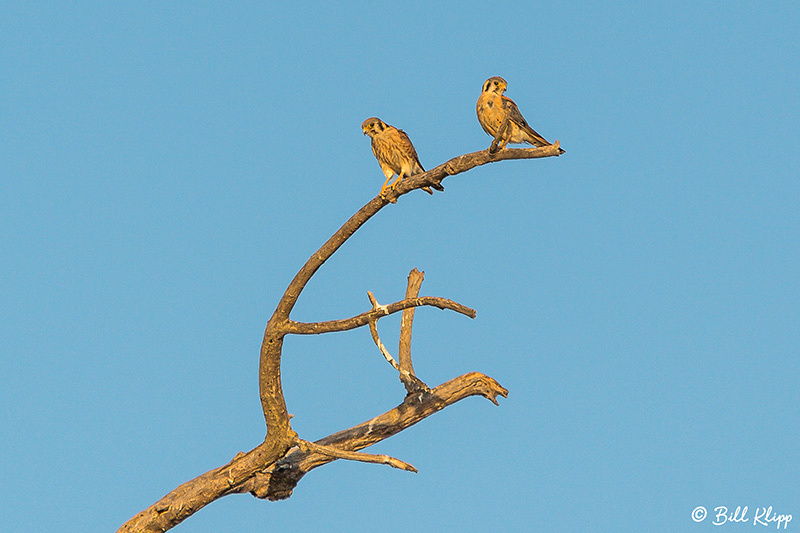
x=495, y=110
x=394, y=152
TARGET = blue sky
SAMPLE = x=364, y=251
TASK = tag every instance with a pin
x=167, y=167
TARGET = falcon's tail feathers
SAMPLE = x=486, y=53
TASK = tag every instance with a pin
x=534, y=138
x=538, y=140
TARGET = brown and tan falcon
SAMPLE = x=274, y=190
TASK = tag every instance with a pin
x=493, y=109
x=394, y=152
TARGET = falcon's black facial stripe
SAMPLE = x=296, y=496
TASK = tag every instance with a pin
x=381, y=126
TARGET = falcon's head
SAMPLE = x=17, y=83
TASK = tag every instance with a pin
x=495, y=84
x=373, y=126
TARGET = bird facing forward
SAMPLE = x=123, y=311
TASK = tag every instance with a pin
x=494, y=109
x=394, y=152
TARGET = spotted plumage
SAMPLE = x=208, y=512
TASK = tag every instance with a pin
x=493, y=109
x=394, y=152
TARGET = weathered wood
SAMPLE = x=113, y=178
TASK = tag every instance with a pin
x=273, y=468
x=344, y=324
x=278, y=481
x=193, y=495
x=415, y=278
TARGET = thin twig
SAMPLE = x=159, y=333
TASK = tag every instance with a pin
x=310, y=447
x=405, y=376
x=373, y=329
x=313, y=328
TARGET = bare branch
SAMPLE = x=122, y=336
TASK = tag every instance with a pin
x=269, y=377
x=278, y=481
x=334, y=453
x=193, y=495
x=452, y=167
x=466, y=162
x=313, y=328
x=415, y=278
x=373, y=329
x=271, y=470
x=407, y=375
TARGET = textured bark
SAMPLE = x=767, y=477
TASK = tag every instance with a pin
x=273, y=468
x=193, y=495
x=415, y=278
x=306, y=328
x=278, y=481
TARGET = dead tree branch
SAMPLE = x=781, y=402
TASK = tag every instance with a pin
x=278, y=481
x=193, y=495
x=373, y=329
x=415, y=278
x=314, y=328
x=273, y=468
x=405, y=376
x=335, y=453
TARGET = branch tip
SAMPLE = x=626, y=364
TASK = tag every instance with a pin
x=491, y=389
x=336, y=453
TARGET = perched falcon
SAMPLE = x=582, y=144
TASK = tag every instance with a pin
x=494, y=108
x=394, y=152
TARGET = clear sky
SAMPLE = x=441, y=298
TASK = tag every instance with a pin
x=167, y=167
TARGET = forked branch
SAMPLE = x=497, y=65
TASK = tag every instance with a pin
x=454, y=166
x=335, y=453
x=410, y=381
x=278, y=481
x=272, y=400
x=273, y=468
x=313, y=328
